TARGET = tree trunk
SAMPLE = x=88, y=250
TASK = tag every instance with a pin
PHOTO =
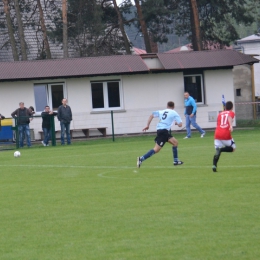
x=143, y=27
x=20, y=30
x=122, y=29
x=10, y=30
x=65, y=29
x=195, y=26
x=44, y=31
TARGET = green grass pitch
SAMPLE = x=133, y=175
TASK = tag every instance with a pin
x=89, y=201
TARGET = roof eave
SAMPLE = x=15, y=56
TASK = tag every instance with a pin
x=74, y=76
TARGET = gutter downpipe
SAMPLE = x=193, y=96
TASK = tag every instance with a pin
x=253, y=89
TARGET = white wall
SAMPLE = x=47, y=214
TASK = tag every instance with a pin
x=142, y=94
x=217, y=83
x=254, y=48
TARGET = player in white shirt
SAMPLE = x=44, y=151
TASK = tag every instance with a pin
x=167, y=118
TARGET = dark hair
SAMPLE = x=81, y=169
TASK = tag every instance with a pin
x=47, y=106
x=32, y=108
x=229, y=105
x=170, y=104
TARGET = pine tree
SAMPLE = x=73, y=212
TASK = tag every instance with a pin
x=10, y=30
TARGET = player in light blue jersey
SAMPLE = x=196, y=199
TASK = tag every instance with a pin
x=167, y=118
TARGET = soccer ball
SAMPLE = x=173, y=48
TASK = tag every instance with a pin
x=17, y=154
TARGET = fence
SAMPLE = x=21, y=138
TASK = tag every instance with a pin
x=247, y=113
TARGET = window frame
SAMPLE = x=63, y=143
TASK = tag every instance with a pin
x=48, y=87
x=105, y=95
x=202, y=86
x=238, y=92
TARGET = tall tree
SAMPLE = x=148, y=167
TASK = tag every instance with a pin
x=143, y=27
x=20, y=29
x=217, y=21
x=93, y=28
x=195, y=26
x=158, y=15
x=65, y=29
x=44, y=31
x=10, y=30
x=122, y=29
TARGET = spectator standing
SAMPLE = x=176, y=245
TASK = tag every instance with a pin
x=190, y=115
x=46, y=124
x=65, y=117
x=23, y=116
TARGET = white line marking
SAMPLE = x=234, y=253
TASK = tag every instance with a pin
x=127, y=167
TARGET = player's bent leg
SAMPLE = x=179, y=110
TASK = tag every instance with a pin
x=150, y=153
x=227, y=149
x=174, y=143
x=218, y=144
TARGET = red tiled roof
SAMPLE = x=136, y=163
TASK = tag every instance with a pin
x=204, y=59
x=138, y=51
x=118, y=65
x=210, y=47
x=186, y=47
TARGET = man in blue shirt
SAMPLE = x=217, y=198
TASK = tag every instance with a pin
x=190, y=115
x=167, y=118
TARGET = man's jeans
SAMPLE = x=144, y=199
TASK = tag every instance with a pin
x=192, y=121
x=47, y=135
x=63, y=127
x=24, y=130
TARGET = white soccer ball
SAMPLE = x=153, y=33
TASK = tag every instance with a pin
x=17, y=154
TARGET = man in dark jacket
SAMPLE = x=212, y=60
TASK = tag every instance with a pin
x=23, y=115
x=46, y=124
x=1, y=118
x=65, y=117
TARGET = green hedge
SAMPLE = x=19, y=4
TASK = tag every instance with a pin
x=248, y=123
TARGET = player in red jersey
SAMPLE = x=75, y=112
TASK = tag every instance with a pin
x=223, y=140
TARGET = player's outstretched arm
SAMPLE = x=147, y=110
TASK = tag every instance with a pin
x=148, y=123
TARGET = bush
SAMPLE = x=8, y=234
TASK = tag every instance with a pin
x=248, y=123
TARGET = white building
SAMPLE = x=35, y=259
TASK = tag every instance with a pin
x=251, y=45
x=132, y=86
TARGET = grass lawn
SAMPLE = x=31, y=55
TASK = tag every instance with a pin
x=89, y=201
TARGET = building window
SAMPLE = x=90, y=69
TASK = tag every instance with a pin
x=48, y=94
x=194, y=85
x=106, y=95
x=238, y=92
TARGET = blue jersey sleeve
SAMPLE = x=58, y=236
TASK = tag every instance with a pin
x=156, y=114
x=178, y=118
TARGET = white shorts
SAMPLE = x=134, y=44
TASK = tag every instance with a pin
x=220, y=143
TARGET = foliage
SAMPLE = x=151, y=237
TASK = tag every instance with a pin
x=92, y=28
x=218, y=19
x=248, y=123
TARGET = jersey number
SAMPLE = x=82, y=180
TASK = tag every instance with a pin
x=165, y=115
x=224, y=119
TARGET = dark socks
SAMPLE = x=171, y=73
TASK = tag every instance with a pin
x=175, y=153
x=227, y=149
x=215, y=159
x=147, y=155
